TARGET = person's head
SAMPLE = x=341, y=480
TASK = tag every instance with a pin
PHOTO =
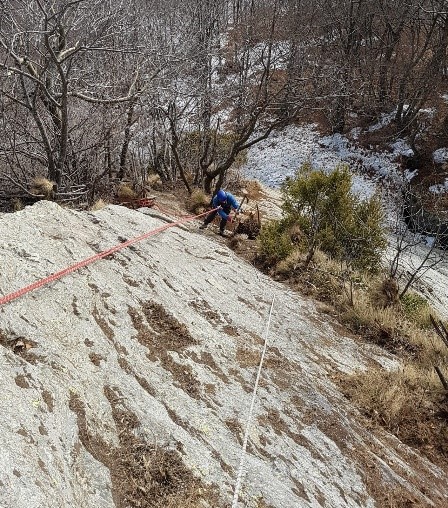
x=222, y=196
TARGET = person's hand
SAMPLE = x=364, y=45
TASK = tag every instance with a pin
x=229, y=219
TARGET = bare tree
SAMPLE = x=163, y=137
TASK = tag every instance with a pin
x=54, y=61
x=244, y=81
x=93, y=89
x=421, y=241
x=427, y=38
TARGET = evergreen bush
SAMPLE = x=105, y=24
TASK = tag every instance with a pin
x=330, y=217
x=416, y=309
x=274, y=241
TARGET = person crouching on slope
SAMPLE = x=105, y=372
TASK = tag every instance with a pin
x=225, y=201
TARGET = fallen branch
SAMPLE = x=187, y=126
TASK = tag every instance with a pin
x=442, y=332
x=440, y=329
x=442, y=378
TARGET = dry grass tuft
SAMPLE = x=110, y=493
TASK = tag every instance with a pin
x=291, y=263
x=409, y=402
x=392, y=328
x=17, y=205
x=189, y=176
x=98, y=205
x=235, y=242
x=125, y=192
x=43, y=187
x=154, y=181
x=296, y=235
x=384, y=326
x=198, y=201
x=254, y=189
x=384, y=293
x=321, y=279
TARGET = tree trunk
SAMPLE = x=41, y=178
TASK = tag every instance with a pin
x=127, y=139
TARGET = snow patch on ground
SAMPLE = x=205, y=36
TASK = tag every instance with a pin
x=401, y=147
x=440, y=188
x=440, y=156
x=282, y=154
x=386, y=119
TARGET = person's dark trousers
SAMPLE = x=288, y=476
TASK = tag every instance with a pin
x=212, y=215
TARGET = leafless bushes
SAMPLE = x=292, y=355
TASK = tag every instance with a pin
x=420, y=240
x=93, y=91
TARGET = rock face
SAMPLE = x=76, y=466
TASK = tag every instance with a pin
x=130, y=380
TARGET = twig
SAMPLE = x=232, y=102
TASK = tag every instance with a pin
x=442, y=378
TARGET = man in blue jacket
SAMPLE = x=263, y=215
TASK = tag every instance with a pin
x=225, y=201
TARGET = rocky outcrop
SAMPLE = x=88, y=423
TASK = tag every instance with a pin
x=129, y=382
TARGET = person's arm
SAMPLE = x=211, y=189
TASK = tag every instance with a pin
x=220, y=211
x=233, y=202
x=222, y=214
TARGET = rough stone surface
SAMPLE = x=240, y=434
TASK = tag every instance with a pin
x=187, y=378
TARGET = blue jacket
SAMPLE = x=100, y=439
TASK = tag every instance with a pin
x=230, y=203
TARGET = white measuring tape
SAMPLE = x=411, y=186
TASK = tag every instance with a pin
x=249, y=420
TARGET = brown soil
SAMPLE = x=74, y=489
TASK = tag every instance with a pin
x=183, y=376
x=48, y=399
x=234, y=426
x=22, y=381
x=203, y=308
x=143, y=474
x=95, y=358
x=161, y=333
x=103, y=324
x=170, y=333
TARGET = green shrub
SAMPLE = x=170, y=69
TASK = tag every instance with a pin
x=274, y=241
x=417, y=309
x=333, y=219
x=365, y=239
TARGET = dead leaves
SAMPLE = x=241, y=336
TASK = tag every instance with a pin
x=21, y=345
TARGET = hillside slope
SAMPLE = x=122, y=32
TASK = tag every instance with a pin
x=130, y=381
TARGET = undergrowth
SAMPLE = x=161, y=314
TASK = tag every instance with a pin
x=329, y=245
x=410, y=401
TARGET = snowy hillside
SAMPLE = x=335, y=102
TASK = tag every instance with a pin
x=278, y=157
